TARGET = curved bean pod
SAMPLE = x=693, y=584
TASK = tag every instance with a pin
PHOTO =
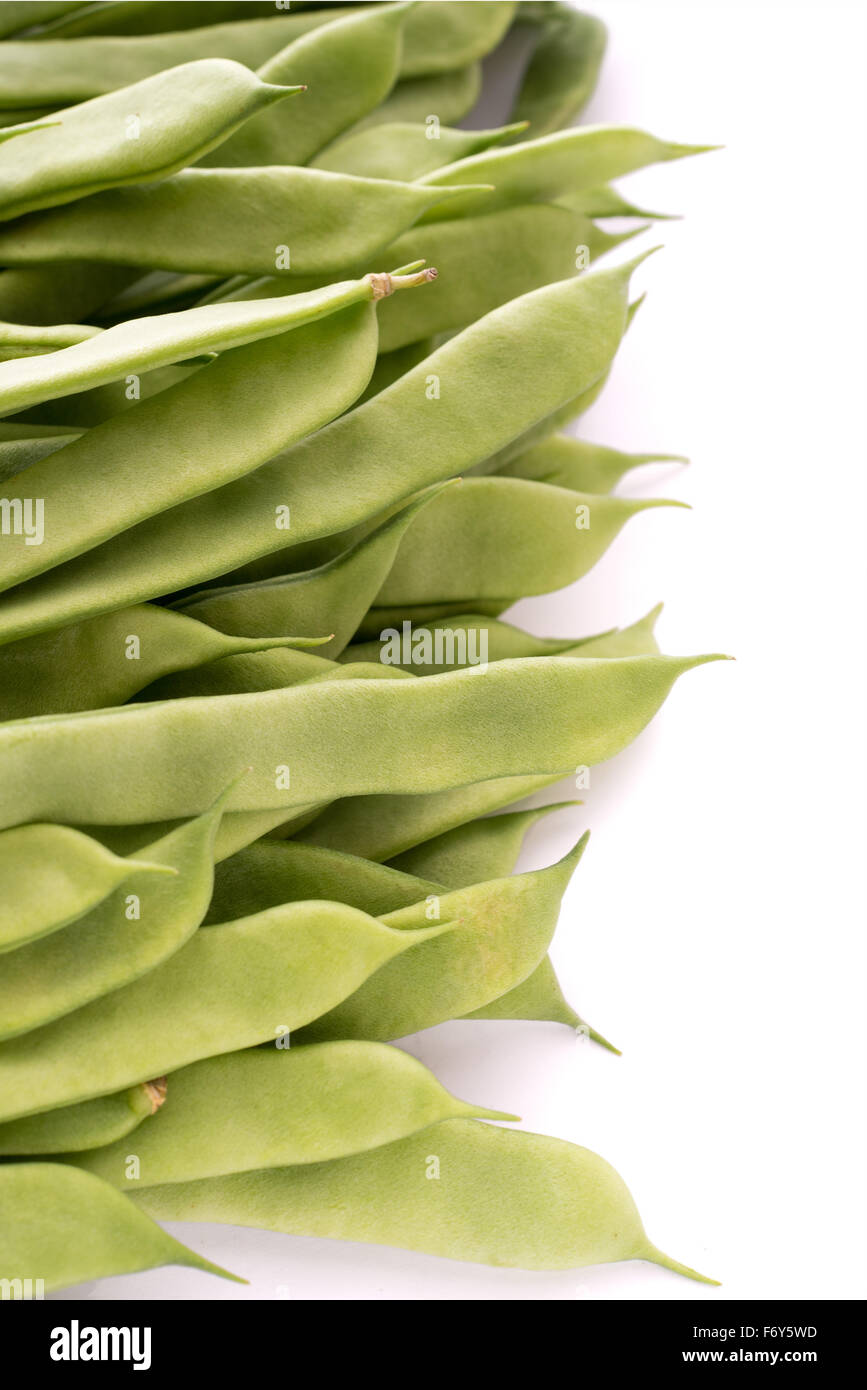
x=577, y=464
x=74, y=1128
x=97, y=357
x=318, y=221
x=212, y=427
x=71, y=1227
x=238, y=675
x=114, y=943
x=380, y=827
x=403, y=150
x=179, y=115
x=348, y=67
x=503, y=929
x=525, y=357
x=438, y=39
x=454, y=641
x=228, y=988
x=335, y=595
x=540, y=170
x=328, y=739
x=496, y=538
x=55, y=72
x=268, y=873
x=269, y=1108
x=51, y=875
x=563, y=70
x=538, y=999
x=106, y=660
x=443, y=36
x=486, y=848
x=504, y=1197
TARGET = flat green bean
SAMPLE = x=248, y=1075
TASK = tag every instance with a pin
x=499, y=377
x=64, y=1227
x=268, y=873
x=348, y=68
x=269, y=1108
x=136, y=928
x=74, y=1128
x=563, y=70
x=504, y=538
x=96, y=357
x=51, y=875
x=228, y=988
x=380, y=827
x=328, y=739
x=212, y=427
x=486, y=848
x=55, y=72
x=146, y=131
x=575, y=463
x=451, y=638
x=311, y=220
x=503, y=929
x=403, y=150
x=540, y=170
x=504, y=1197
x=106, y=660
x=336, y=594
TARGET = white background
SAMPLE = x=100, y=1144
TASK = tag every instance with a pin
x=714, y=929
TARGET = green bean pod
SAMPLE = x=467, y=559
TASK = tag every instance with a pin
x=561, y=75
x=335, y=595
x=526, y=358
x=458, y=642
x=106, y=660
x=304, y=219
x=266, y=1108
x=540, y=170
x=95, y=358
x=221, y=422
x=503, y=930
x=228, y=988
x=146, y=131
x=347, y=67
x=52, y=875
x=575, y=463
x=65, y=1227
x=504, y=538
x=328, y=739
x=136, y=928
x=75, y=1128
x=502, y=1197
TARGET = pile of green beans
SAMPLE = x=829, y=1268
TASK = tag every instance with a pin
x=285, y=389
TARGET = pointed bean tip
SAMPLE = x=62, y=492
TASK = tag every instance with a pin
x=595, y=1036
x=658, y=1257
